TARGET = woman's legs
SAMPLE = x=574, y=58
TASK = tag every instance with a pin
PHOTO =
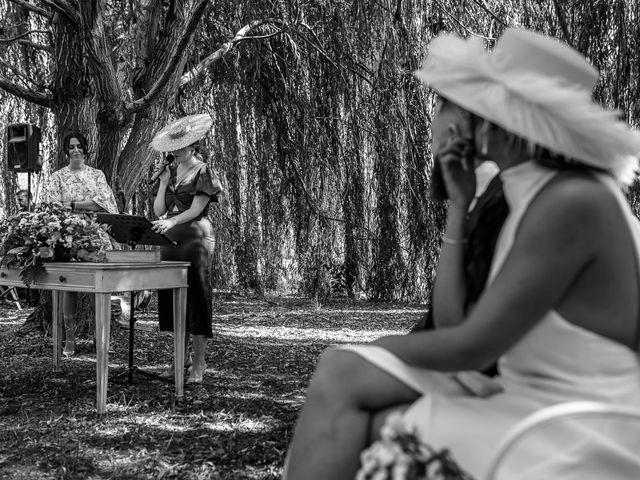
x=199, y=361
x=171, y=371
x=69, y=307
x=333, y=427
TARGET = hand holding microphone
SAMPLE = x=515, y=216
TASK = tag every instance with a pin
x=163, y=168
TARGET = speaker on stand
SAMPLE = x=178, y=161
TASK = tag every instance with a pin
x=23, y=155
x=23, y=150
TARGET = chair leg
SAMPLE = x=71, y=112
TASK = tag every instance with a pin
x=15, y=297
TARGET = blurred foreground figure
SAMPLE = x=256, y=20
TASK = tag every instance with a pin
x=560, y=311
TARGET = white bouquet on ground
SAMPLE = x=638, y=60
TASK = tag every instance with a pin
x=400, y=455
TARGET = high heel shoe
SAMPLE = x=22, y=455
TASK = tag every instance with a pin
x=69, y=348
x=197, y=374
x=170, y=372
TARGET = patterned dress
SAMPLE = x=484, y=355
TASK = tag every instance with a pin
x=86, y=183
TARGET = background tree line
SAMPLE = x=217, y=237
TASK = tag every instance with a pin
x=321, y=134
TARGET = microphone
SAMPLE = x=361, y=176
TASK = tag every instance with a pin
x=167, y=161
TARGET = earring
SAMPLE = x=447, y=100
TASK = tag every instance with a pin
x=484, y=139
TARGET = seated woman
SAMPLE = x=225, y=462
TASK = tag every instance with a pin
x=82, y=188
x=561, y=308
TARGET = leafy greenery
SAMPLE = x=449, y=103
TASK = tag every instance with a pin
x=50, y=233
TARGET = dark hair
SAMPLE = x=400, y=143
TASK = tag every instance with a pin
x=66, y=140
x=541, y=155
x=26, y=192
x=200, y=151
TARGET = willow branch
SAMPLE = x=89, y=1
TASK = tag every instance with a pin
x=158, y=87
x=32, y=8
x=21, y=76
x=25, y=93
x=226, y=47
x=337, y=66
x=35, y=46
x=562, y=22
x=462, y=25
x=22, y=35
x=64, y=8
x=482, y=5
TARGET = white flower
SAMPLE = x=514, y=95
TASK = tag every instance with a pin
x=401, y=468
x=393, y=426
x=380, y=475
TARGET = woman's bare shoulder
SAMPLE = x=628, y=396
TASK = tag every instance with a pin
x=575, y=200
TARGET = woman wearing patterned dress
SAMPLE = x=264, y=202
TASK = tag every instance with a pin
x=186, y=188
x=82, y=188
x=561, y=310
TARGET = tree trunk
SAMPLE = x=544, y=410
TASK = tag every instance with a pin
x=73, y=110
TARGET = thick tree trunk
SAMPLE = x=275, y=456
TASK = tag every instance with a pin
x=73, y=109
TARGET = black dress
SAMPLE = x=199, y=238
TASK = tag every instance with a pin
x=195, y=243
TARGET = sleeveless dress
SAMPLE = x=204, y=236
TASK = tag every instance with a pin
x=557, y=361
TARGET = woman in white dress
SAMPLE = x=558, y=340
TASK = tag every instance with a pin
x=561, y=308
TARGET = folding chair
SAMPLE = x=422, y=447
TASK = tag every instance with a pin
x=570, y=441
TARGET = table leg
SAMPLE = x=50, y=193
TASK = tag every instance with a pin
x=179, y=314
x=103, y=327
x=56, y=327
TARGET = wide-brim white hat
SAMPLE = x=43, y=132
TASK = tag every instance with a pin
x=537, y=88
x=182, y=133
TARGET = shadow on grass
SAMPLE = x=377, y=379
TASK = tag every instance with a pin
x=235, y=426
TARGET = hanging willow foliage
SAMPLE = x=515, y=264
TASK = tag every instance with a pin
x=322, y=135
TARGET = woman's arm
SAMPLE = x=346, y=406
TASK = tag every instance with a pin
x=557, y=238
x=159, y=204
x=53, y=191
x=84, y=205
x=449, y=290
x=196, y=208
x=102, y=199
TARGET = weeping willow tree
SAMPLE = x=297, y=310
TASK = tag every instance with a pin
x=321, y=133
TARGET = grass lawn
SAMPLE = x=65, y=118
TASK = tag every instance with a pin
x=235, y=426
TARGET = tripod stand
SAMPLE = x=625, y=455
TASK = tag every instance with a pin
x=133, y=231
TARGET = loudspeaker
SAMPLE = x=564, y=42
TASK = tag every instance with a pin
x=23, y=147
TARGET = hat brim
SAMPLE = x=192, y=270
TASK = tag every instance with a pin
x=541, y=109
x=182, y=133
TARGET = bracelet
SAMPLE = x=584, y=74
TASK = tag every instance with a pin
x=453, y=241
x=73, y=205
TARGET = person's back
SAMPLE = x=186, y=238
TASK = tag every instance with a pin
x=561, y=306
x=585, y=218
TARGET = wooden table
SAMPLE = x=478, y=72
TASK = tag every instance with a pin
x=102, y=279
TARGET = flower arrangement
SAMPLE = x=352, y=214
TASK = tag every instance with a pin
x=400, y=455
x=50, y=233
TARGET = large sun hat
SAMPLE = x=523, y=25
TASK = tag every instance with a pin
x=182, y=133
x=537, y=88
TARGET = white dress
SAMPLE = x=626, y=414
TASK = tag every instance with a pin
x=555, y=362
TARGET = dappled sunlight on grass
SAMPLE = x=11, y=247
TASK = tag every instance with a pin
x=236, y=425
x=285, y=334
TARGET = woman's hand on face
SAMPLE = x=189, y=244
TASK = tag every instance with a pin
x=458, y=171
x=161, y=226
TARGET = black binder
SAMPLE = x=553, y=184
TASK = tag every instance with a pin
x=133, y=230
